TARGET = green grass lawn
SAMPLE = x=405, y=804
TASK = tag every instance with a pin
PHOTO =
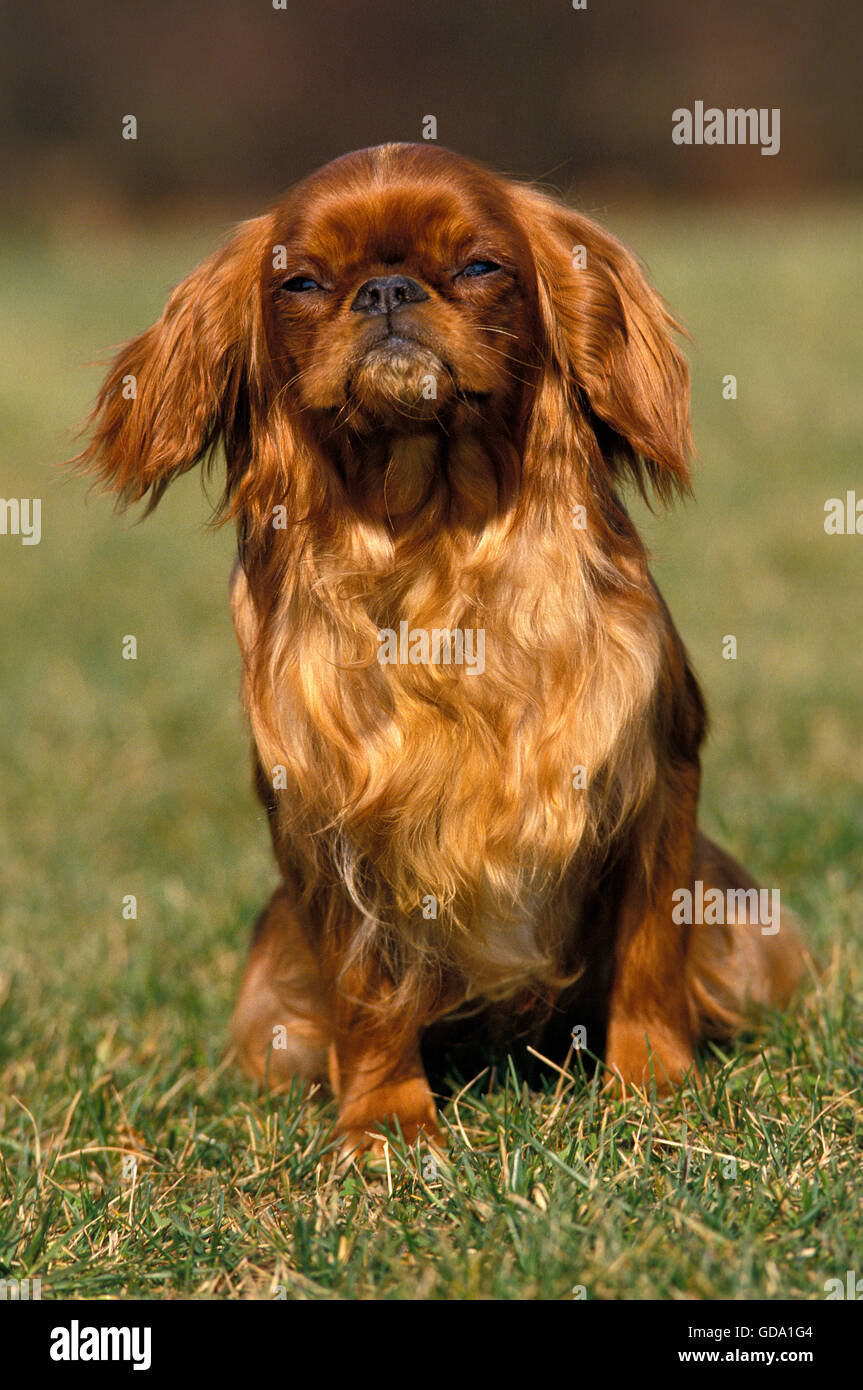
x=133, y=1161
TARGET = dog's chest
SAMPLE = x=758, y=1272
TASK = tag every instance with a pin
x=456, y=761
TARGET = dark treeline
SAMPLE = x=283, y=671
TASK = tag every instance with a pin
x=238, y=95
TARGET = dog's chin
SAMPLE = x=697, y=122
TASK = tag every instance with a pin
x=399, y=384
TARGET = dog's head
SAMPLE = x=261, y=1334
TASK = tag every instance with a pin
x=412, y=333
x=407, y=293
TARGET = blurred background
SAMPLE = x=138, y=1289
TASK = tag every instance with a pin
x=130, y=779
x=236, y=98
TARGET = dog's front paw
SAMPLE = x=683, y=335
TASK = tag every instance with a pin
x=638, y=1053
x=405, y=1106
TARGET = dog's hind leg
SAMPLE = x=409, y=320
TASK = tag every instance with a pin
x=281, y=1025
x=736, y=969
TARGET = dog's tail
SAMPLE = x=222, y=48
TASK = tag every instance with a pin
x=739, y=967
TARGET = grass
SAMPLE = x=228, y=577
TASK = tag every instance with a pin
x=133, y=1161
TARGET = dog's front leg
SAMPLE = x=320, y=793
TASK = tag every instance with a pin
x=376, y=1071
x=649, y=1018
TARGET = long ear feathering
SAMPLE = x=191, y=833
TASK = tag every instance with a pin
x=193, y=377
x=609, y=338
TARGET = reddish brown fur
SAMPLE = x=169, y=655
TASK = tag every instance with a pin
x=554, y=384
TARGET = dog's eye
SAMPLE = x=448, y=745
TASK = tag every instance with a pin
x=480, y=268
x=300, y=284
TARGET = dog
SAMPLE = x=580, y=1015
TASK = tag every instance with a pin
x=476, y=729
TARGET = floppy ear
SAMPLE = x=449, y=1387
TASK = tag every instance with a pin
x=609, y=335
x=174, y=390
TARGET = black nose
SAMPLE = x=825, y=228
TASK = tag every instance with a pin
x=386, y=293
